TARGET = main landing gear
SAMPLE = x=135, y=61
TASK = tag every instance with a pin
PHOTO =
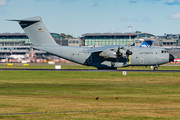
x=155, y=67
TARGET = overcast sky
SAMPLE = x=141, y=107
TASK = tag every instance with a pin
x=77, y=17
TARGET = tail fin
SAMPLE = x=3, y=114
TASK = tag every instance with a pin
x=36, y=31
x=146, y=43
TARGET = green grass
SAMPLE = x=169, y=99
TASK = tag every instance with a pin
x=46, y=66
x=140, y=95
x=66, y=66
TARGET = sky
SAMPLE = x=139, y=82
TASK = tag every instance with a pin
x=77, y=17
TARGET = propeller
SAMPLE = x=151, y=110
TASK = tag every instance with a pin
x=122, y=53
x=118, y=53
x=128, y=52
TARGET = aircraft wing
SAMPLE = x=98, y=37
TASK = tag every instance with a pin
x=99, y=49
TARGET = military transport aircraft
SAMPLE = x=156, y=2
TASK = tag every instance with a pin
x=105, y=57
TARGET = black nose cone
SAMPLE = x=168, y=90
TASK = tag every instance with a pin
x=171, y=57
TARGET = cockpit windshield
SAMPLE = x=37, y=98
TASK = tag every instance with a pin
x=164, y=51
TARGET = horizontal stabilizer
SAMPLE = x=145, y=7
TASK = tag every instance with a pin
x=25, y=20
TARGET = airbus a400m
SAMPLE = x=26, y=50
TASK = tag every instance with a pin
x=105, y=57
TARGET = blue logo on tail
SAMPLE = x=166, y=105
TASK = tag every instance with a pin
x=146, y=43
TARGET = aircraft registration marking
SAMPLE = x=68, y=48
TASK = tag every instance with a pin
x=146, y=53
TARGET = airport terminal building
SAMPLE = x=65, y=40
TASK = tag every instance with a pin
x=19, y=43
x=101, y=39
x=95, y=39
x=170, y=40
x=21, y=39
x=133, y=39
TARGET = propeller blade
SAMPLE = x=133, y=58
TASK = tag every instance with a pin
x=128, y=52
x=118, y=53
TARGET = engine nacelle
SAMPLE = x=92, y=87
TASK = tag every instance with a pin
x=108, y=54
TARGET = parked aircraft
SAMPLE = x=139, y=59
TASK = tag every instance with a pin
x=105, y=57
x=13, y=56
x=17, y=57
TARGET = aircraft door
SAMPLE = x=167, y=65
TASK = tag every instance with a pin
x=156, y=58
x=141, y=60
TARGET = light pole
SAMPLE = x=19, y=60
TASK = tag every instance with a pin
x=129, y=33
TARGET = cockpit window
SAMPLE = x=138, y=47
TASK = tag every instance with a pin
x=164, y=51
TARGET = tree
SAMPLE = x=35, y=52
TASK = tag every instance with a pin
x=70, y=36
x=67, y=36
x=63, y=34
x=138, y=31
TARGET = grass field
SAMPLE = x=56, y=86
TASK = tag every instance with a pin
x=140, y=95
x=76, y=66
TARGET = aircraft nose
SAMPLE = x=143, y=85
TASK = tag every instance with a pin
x=171, y=57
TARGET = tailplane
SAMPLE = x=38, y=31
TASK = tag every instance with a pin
x=36, y=31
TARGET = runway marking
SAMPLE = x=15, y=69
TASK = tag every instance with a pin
x=8, y=114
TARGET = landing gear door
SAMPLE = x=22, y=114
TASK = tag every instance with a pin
x=89, y=59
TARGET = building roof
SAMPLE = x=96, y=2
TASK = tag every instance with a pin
x=18, y=34
x=110, y=34
x=12, y=34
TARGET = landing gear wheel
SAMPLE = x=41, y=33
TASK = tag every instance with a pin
x=155, y=68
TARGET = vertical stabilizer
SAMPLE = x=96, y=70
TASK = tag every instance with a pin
x=36, y=31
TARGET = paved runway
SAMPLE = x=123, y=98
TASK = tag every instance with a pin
x=91, y=70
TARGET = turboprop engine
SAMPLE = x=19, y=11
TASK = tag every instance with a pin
x=116, y=53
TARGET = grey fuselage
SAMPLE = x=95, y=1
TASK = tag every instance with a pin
x=140, y=56
x=111, y=56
